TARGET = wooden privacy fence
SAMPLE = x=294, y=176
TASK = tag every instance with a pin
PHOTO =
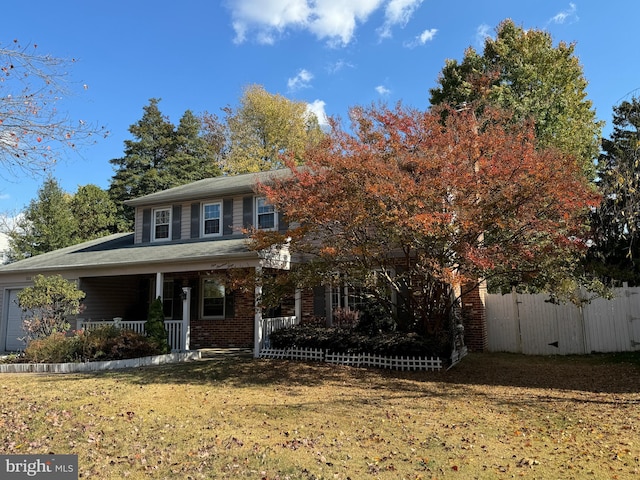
x=530, y=324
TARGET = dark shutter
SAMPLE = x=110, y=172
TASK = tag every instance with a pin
x=319, y=303
x=247, y=212
x=195, y=220
x=283, y=225
x=176, y=221
x=227, y=216
x=229, y=304
x=146, y=225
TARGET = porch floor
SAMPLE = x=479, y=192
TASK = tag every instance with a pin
x=225, y=352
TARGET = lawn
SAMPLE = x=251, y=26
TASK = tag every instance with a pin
x=492, y=416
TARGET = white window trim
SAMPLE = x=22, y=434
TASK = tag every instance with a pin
x=224, y=302
x=153, y=224
x=257, y=216
x=202, y=220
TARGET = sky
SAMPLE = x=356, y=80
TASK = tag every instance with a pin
x=199, y=55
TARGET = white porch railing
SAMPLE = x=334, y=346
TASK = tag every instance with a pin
x=270, y=325
x=173, y=328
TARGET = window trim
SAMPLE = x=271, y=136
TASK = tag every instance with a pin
x=258, y=214
x=154, y=238
x=203, y=220
x=203, y=280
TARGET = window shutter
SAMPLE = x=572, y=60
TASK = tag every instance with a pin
x=247, y=212
x=146, y=225
x=195, y=220
x=229, y=305
x=283, y=225
x=319, y=303
x=227, y=216
x=176, y=220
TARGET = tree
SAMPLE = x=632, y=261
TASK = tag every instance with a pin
x=411, y=205
x=266, y=126
x=95, y=213
x=33, y=130
x=616, y=252
x=47, y=305
x=160, y=157
x=154, y=326
x=46, y=225
x=521, y=70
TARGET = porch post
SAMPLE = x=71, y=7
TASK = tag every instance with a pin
x=159, y=285
x=298, y=305
x=186, y=317
x=257, y=319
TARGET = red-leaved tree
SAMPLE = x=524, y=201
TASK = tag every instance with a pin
x=426, y=204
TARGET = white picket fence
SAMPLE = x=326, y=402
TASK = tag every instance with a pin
x=530, y=324
x=355, y=359
x=173, y=328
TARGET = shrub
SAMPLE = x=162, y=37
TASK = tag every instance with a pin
x=346, y=340
x=154, y=326
x=47, y=305
x=104, y=343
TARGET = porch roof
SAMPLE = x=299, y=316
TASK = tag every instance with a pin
x=119, y=250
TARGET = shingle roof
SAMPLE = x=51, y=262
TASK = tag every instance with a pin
x=219, y=186
x=119, y=250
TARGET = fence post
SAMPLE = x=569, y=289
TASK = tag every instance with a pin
x=257, y=320
x=186, y=317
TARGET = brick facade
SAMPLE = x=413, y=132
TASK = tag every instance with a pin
x=474, y=318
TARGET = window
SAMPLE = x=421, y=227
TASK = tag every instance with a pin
x=266, y=215
x=167, y=299
x=162, y=224
x=213, y=295
x=211, y=216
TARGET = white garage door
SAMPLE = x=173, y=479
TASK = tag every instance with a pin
x=14, y=324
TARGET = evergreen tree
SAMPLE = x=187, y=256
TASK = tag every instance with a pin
x=95, y=212
x=160, y=157
x=616, y=253
x=48, y=223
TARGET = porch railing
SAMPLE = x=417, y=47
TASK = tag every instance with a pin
x=270, y=325
x=173, y=328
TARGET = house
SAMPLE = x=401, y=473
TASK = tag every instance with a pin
x=185, y=243
x=188, y=242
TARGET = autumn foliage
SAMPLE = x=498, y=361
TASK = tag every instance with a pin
x=434, y=201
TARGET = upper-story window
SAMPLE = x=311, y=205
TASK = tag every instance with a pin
x=211, y=219
x=161, y=224
x=265, y=215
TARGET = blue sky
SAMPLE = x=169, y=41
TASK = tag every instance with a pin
x=198, y=55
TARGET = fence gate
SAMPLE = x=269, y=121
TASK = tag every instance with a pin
x=530, y=324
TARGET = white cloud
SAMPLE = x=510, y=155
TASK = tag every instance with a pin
x=317, y=108
x=397, y=13
x=423, y=38
x=335, y=21
x=301, y=80
x=339, y=65
x=568, y=14
x=482, y=32
x=382, y=90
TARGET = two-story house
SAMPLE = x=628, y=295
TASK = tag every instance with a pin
x=186, y=244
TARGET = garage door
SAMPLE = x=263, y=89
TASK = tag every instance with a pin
x=14, y=324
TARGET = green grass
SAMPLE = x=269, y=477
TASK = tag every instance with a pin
x=492, y=416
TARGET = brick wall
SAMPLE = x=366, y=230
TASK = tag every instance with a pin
x=475, y=319
x=229, y=332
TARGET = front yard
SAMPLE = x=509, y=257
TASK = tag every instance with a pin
x=492, y=416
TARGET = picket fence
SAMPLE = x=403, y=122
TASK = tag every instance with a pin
x=530, y=324
x=359, y=359
x=173, y=328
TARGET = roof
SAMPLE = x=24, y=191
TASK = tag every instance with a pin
x=218, y=186
x=119, y=250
